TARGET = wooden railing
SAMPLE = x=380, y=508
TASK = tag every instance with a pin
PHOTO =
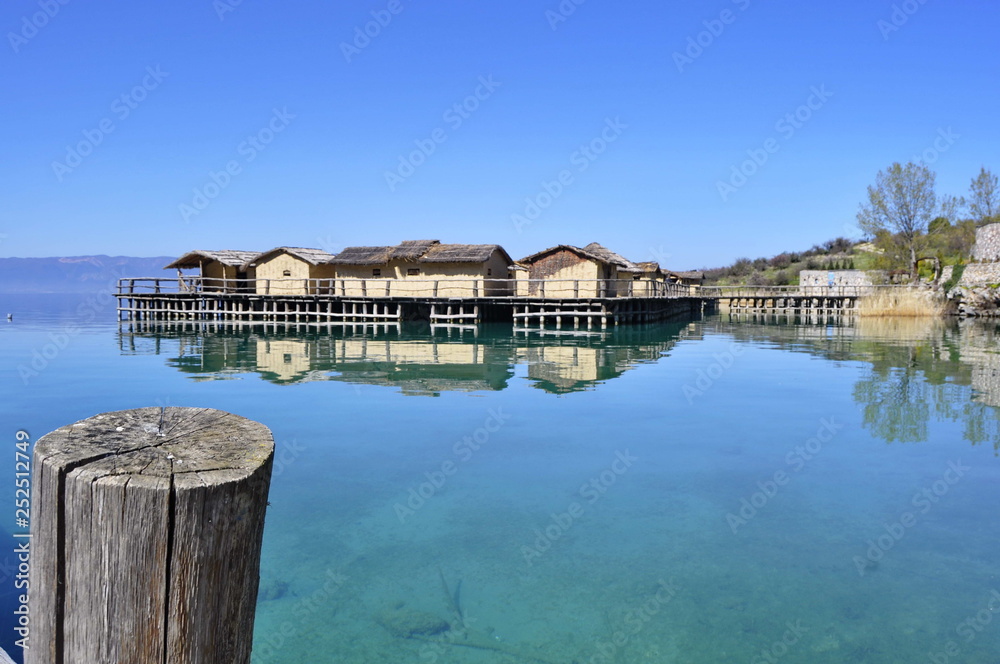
x=427, y=288
x=729, y=292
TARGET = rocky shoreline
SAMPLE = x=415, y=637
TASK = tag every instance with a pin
x=979, y=301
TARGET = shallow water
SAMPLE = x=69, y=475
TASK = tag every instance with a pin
x=707, y=491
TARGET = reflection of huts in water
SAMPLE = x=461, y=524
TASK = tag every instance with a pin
x=223, y=271
x=563, y=369
x=284, y=360
x=423, y=367
x=576, y=367
x=427, y=268
x=291, y=271
x=591, y=271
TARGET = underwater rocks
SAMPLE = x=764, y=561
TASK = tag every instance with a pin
x=410, y=623
x=272, y=590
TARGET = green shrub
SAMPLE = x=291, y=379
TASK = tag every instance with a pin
x=956, y=276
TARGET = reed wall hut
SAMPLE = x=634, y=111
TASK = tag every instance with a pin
x=691, y=277
x=648, y=279
x=425, y=268
x=221, y=271
x=568, y=271
x=293, y=271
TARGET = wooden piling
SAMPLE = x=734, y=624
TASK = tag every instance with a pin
x=147, y=528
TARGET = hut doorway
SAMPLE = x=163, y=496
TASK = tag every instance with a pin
x=242, y=285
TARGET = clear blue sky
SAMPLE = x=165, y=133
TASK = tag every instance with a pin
x=183, y=85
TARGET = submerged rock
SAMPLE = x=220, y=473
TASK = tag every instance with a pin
x=272, y=590
x=410, y=623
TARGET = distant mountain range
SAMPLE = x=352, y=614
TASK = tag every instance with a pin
x=76, y=274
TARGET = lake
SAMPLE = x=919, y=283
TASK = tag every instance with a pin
x=716, y=490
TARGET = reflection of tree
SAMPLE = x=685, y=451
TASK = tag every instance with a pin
x=912, y=383
x=920, y=372
x=895, y=404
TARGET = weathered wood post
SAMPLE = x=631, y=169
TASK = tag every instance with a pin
x=146, y=537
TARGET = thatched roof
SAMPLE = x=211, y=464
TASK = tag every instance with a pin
x=411, y=250
x=611, y=257
x=691, y=274
x=648, y=266
x=419, y=251
x=463, y=253
x=363, y=256
x=195, y=258
x=593, y=251
x=311, y=256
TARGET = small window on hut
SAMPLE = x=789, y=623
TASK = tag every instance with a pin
x=376, y=272
x=489, y=272
x=413, y=272
x=636, y=277
x=286, y=273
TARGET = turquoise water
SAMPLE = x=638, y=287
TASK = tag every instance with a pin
x=712, y=491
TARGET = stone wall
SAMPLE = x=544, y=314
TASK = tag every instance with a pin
x=978, y=274
x=987, y=247
x=946, y=273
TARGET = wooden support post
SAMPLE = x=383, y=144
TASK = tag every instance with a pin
x=147, y=527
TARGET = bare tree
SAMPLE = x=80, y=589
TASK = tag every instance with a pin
x=901, y=202
x=984, y=198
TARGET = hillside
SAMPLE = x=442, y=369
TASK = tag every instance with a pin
x=76, y=274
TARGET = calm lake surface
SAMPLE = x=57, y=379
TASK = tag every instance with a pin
x=697, y=492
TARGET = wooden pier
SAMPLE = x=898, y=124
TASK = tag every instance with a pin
x=335, y=302
x=457, y=303
x=804, y=301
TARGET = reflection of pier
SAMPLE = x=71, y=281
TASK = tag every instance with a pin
x=450, y=358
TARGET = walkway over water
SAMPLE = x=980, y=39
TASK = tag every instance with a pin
x=792, y=299
x=570, y=302
x=459, y=301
